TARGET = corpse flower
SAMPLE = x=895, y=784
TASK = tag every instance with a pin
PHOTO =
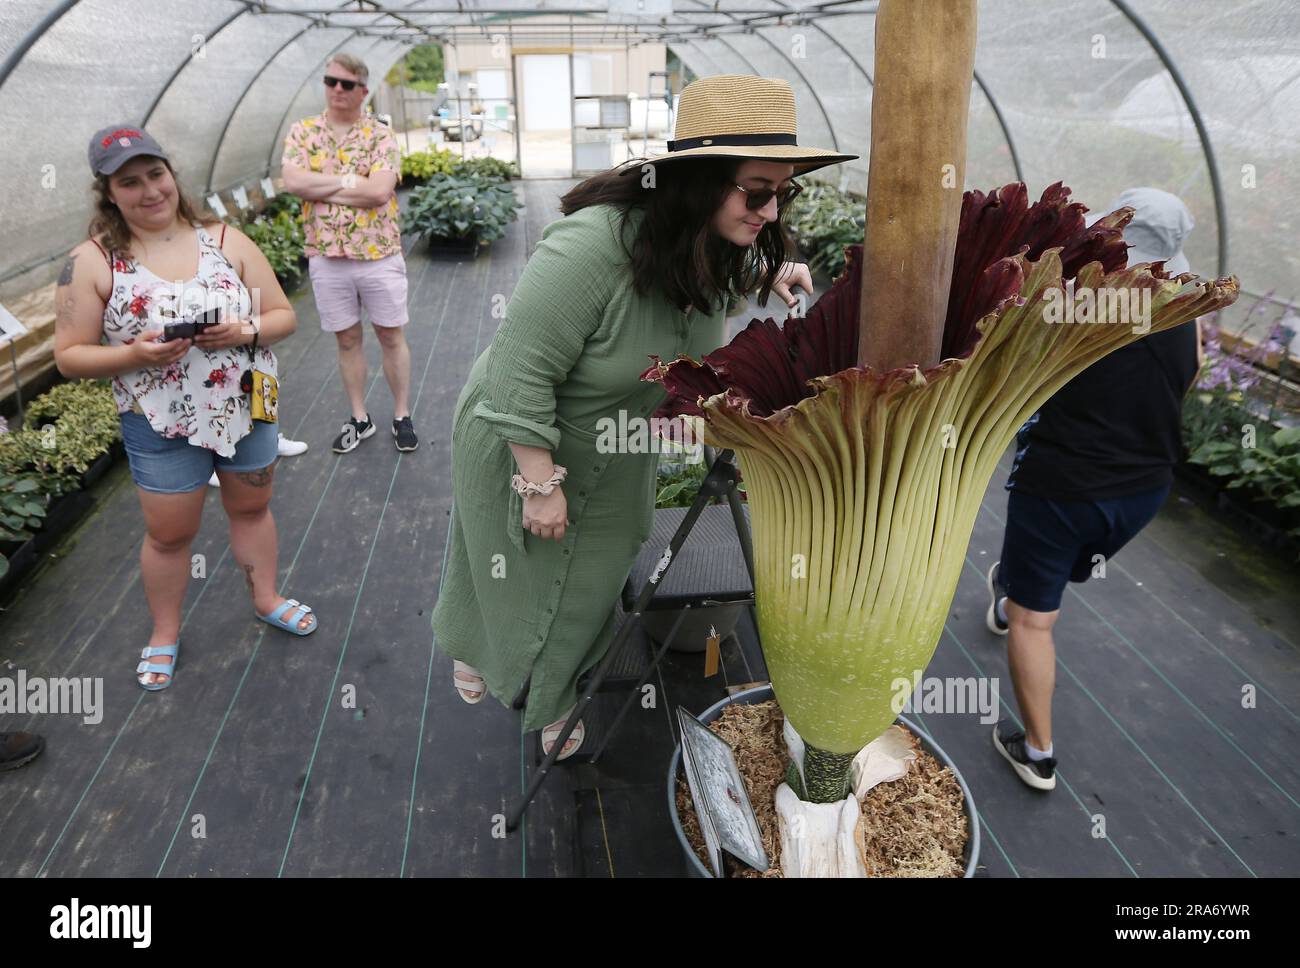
x=864, y=485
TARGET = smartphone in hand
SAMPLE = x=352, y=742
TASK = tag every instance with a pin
x=189, y=328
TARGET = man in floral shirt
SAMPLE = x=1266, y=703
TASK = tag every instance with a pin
x=346, y=165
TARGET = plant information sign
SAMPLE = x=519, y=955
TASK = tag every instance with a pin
x=721, y=803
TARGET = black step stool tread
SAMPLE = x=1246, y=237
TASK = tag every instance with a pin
x=710, y=566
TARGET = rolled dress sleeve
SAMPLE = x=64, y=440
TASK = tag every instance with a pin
x=557, y=305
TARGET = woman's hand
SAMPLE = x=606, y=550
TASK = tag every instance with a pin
x=792, y=274
x=223, y=336
x=150, y=350
x=546, y=515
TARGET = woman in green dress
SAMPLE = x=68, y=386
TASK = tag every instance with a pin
x=547, y=517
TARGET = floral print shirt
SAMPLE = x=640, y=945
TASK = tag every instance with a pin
x=198, y=396
x=347, y=231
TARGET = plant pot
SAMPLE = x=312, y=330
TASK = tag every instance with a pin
x=694, y=630
x=96, y=470
x=21, y=559
x=61, y=517
x=762, y=694
x=465, y=249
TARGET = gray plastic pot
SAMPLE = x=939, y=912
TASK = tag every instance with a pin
x=693, y=633
x=763, y=693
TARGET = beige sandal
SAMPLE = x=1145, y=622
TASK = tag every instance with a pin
x=470, y=692
x=552, y=732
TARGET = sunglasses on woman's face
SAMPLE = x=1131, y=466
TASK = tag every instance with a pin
x=331, y=80
x=756, y=198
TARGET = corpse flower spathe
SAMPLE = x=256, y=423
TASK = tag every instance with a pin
x=864, y=485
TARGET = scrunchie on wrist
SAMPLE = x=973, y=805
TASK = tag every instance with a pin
x=527, y=488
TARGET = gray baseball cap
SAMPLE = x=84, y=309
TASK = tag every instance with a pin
x=114, y=146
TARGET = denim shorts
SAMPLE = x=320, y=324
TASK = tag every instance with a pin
x=172, y=465
x=1049, y=543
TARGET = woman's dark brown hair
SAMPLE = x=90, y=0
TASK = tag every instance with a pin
x=109, y=227
x=676, y=249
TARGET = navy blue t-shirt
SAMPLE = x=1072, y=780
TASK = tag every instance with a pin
x=1115, y=429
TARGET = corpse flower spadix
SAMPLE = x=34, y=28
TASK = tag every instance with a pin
x=864, y=486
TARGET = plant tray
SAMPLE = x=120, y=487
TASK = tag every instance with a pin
x=462, y=250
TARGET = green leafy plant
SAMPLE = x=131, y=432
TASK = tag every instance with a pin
x=22, y=507
x=823, y=220
x=419, y=166
x=488, y=167
x=456, y=207
x=1269, y=471
x=281, y=239
x=283, y=202
x=67, y=429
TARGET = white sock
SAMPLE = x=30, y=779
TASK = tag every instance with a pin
x=1037, y=754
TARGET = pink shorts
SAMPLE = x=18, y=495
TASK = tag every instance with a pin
x=344, y=287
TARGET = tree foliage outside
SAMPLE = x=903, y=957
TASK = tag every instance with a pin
x=420, y=69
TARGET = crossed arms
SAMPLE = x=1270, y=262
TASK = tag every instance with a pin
x=359, y=191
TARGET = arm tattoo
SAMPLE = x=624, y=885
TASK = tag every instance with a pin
x=65, y=276
x=65, y=302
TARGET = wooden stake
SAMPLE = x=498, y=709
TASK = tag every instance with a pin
x=925, y=60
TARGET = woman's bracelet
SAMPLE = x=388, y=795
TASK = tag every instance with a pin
x=527, y=488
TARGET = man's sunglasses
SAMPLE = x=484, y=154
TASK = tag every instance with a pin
x=331, y=80
x=756, y=198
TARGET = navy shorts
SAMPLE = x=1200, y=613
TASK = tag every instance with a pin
x=1048, y=543
x=172, y=465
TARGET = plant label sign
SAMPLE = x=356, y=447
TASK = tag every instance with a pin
x=721, y=803
x=10, y=327
x=268, y=188
x=240, y=194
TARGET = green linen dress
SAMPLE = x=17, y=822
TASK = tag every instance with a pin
x=570, y=350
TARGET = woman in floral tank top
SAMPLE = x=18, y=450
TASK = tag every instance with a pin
x=180, y=402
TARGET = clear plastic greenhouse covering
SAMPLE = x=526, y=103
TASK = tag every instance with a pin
x=1199, y=97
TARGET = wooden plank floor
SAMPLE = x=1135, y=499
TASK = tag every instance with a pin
x=252, y=764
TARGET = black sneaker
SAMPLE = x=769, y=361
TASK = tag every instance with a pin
x=404, y=434
x=18, y=749
x=996, y=593
x=354, y=431
x=1010, y=742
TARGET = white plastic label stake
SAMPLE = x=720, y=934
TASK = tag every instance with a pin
x=10, y=327
x=217, y=205
x=241, y=197
x=268, y=188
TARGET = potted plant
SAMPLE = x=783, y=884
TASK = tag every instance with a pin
x=458, y=214
x=678, y=792
x=868, y=430
x=420, y=166
x=22, y=510
x=278, y=232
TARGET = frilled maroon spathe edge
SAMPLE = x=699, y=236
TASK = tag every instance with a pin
x=768, y=369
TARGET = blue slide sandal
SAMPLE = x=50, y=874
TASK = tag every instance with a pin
x=146, y=666
x=277, y=618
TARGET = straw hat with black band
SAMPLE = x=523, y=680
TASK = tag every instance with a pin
x=739, y=116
